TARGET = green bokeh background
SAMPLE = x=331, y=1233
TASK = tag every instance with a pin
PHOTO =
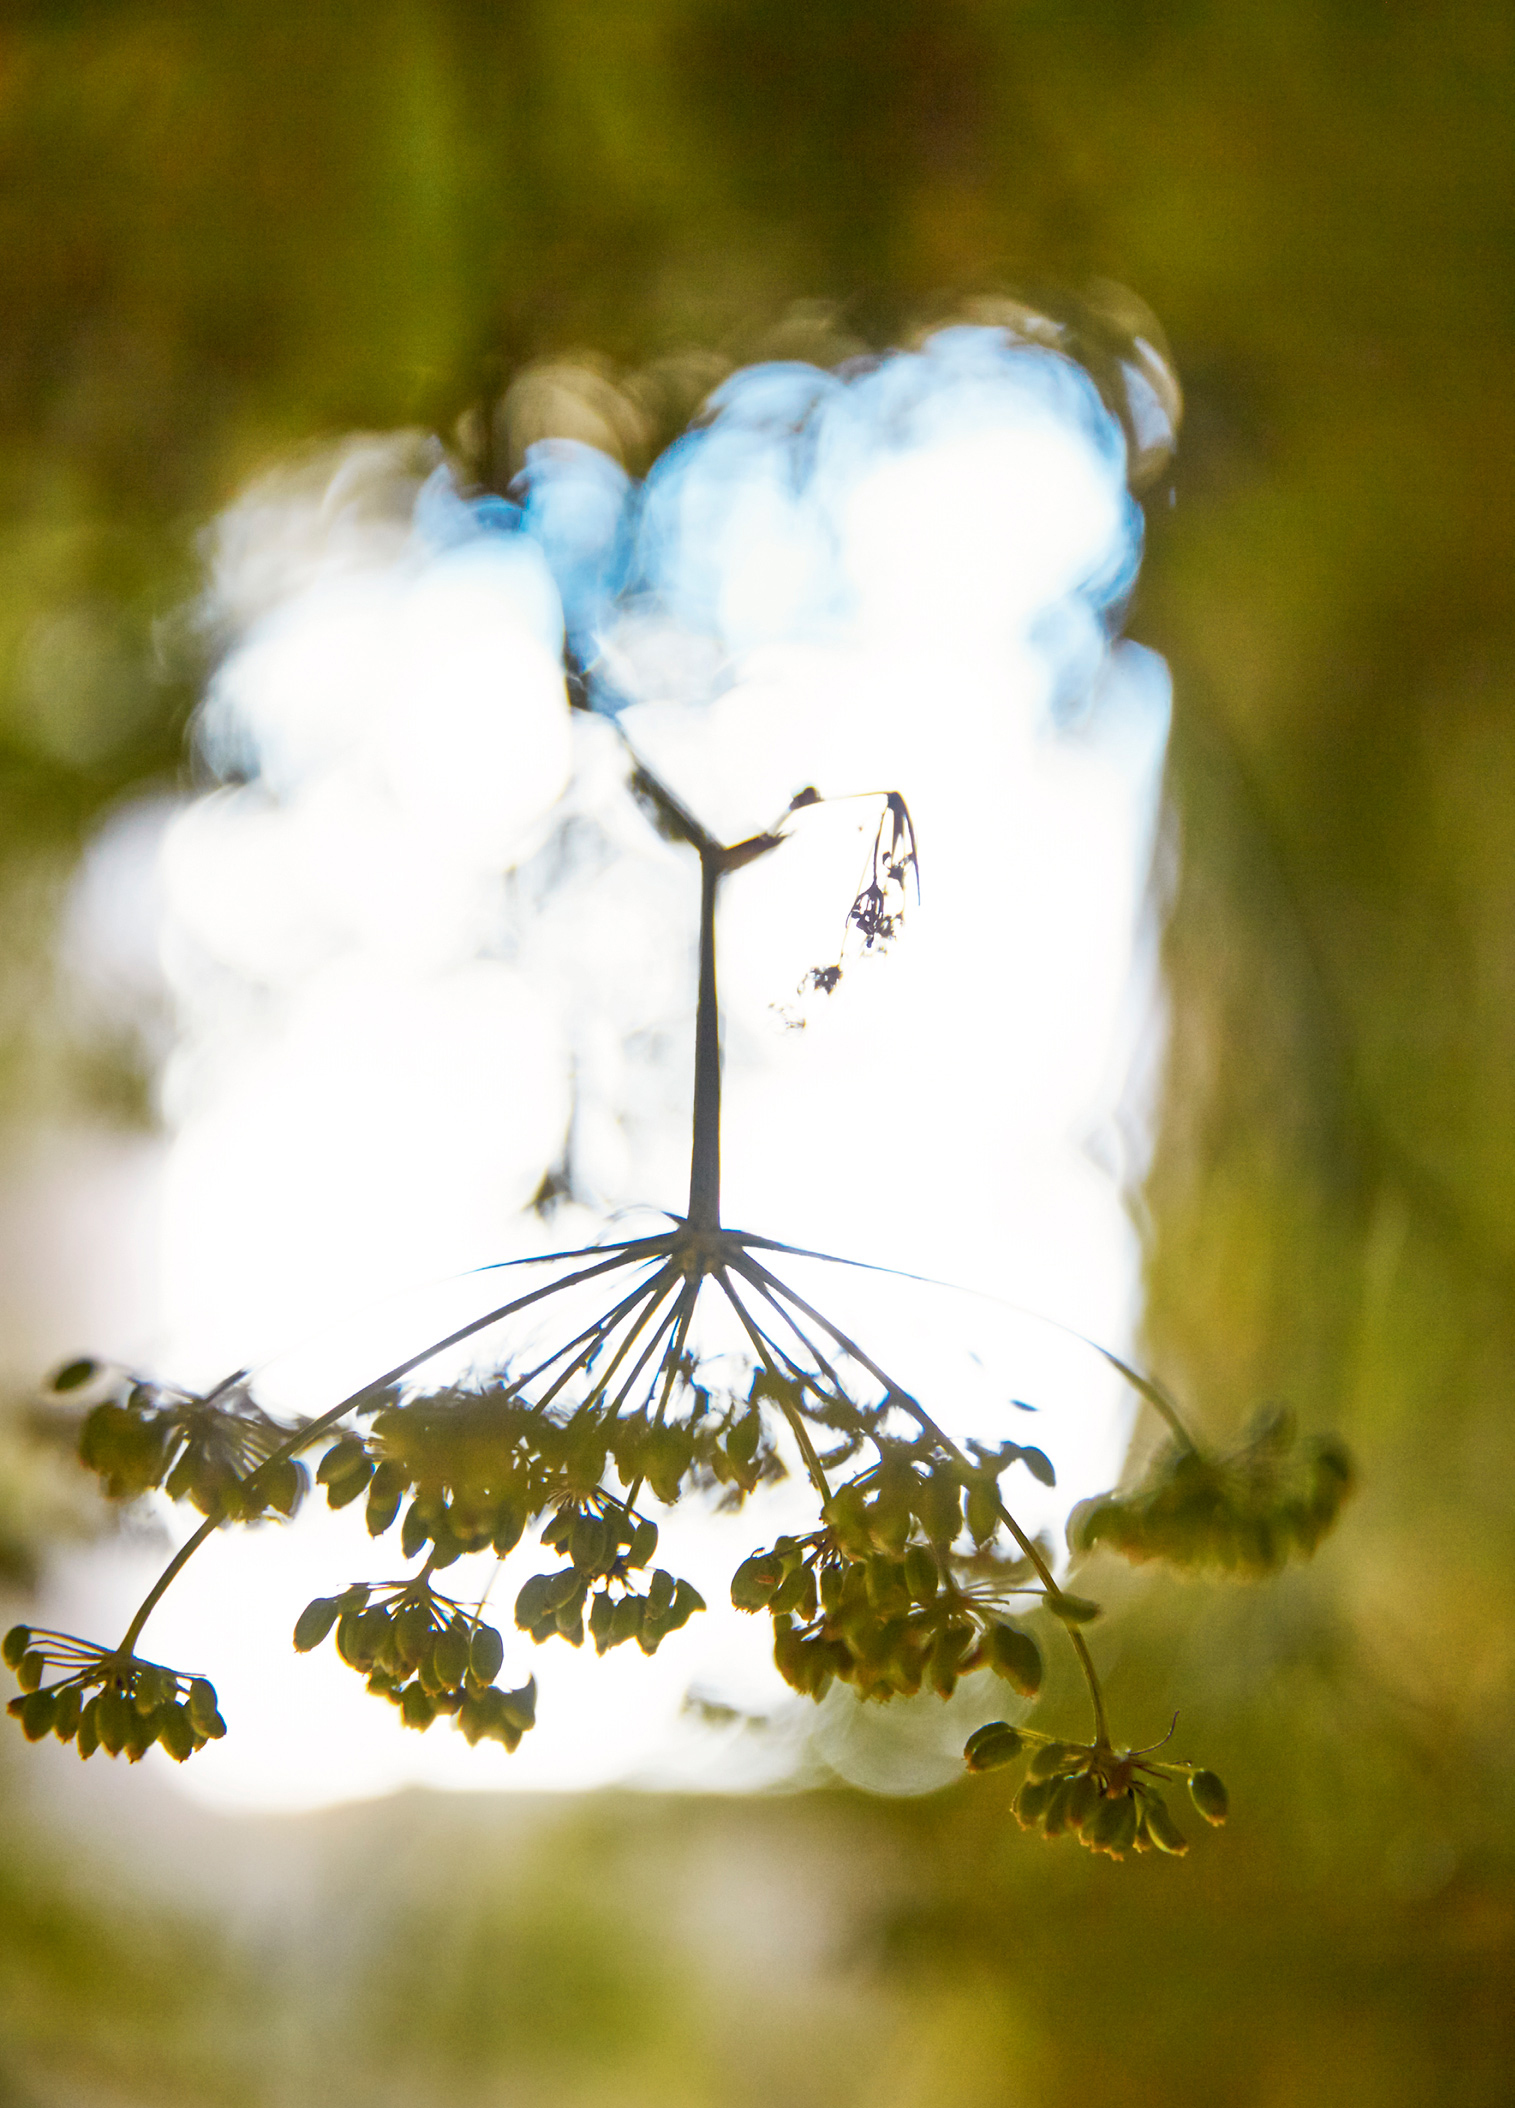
x=225, y=232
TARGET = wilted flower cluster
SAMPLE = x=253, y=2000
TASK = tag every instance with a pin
x=109, y=1701
x=1250, y=1513
x=1107, y=1798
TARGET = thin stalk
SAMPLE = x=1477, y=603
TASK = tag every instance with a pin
x=705, y=1152
x=665, y=1325
x=1146, y=1386
x=687, y=1301
x=754, y=1279
x=802, y=1376
x=649, y=1294
x=150, y=1601
x=797, y=1426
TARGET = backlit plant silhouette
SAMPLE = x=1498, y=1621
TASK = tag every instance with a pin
x=681, y=1364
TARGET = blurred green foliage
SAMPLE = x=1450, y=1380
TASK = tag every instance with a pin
x=227, y=231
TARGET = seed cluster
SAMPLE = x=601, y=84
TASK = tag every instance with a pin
x=107, y=1701
x=425, y=1654
x=1249, y=1513
x=1107, y=1798
x=880, y=1598
x=219, y=1452
x=909, y=1581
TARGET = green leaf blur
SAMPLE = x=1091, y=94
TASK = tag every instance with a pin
x=228, y=231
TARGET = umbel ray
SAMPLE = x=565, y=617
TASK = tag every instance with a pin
x=915, y=1574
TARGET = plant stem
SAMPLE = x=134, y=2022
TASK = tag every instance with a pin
x=149, y=1603
x=705, y=1153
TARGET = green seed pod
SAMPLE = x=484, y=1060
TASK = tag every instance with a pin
x=1073, y=1610
x=939, y=1504
x=1162, y=1829
x=983, y=1511
x=509, y=1526
x=201, y=1704
x=532, y=1604
x=792, y=1591
x=416, y=1709
x=314, y=1622
x=452, y=1656
x=992, y=1745
x=1130, y=1817
x=87, y=1741
x=945, y=1660
x=887, y=1592
x=922, y=1577
x=31, y=1668
x=587, y=1545
x=686, y=1601
x=755, y=1580
x=386, y=1490
x=626, y=1624
x=474, y=1718
x=846, y=1512
x=644, y=1542
x=352, y=1641
x=1052, y=1758
x=788, y=1656
x=486, y=1652
x=141, y=1733
x=1013, y=1655
x=1032, y=1802
x=154, y=1687
x=659, y=1592
x=1112, y=1827
x=346, y=1459
x=177, y=1733
x=1209, y=1796
x=563, y=1587
x=1101, y=1824
x=889, y=1520
x=38, y=1711
x=413, y=1633
x=416, y=1530
x=67, y=1711
x=280, y=1486
x=341, y=1493
x=601, y=1618
x=568, y=1618
x=16, y=1644
x=833, y=1588
x=1084, y=1796
x=519, y=1708
x=1055, y=1819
